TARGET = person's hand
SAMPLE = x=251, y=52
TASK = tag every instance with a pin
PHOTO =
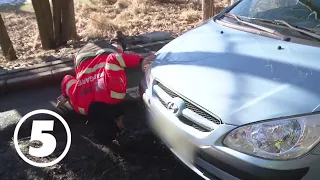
x=148, y=61
x=61, y=100
x=119, y=122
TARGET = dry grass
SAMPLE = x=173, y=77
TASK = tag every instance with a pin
x=99, y=20
x=138, y=16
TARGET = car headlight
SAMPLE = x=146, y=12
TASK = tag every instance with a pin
x=279, y=139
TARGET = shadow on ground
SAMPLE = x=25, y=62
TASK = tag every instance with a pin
x=140, y=156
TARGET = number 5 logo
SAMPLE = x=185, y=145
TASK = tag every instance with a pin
x=48, y=141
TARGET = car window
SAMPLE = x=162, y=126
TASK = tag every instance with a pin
x=302, y=13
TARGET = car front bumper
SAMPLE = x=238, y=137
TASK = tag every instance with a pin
x=209, y=162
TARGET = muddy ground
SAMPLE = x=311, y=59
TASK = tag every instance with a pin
x=140, y=155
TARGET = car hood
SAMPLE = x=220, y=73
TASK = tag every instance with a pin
x=238, y=76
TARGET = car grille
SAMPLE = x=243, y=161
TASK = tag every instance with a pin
x=192, y=124
x=190, y=106
x=186, y=120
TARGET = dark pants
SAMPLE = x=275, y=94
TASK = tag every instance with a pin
x=91, y=50
x=101, y=116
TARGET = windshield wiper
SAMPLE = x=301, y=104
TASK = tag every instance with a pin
x=297, y=28
x=271, y=31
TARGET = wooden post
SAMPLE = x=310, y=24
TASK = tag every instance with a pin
x=64, y=21
x=207, y=9
x=73, y=29
x=5, y=43
x=56, y=15
x=44, y=19
x=68, y=28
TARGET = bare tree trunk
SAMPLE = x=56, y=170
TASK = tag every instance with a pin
x=5, y=43
x=68, y=28
x=72, y=16
x=207, y=9
x=56, y=11
x=44, y=19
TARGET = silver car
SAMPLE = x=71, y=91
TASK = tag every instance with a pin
x=238, y=97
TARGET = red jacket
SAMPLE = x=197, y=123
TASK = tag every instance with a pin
x=102, y=80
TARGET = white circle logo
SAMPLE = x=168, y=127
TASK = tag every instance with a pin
x=48, y=141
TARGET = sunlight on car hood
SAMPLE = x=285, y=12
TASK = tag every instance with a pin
x=238, y=76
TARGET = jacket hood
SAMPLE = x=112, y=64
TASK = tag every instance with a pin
x=241, y=77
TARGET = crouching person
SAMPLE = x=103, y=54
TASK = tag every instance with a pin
x=99, y=88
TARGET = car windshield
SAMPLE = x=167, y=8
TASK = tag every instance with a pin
x=303, y=14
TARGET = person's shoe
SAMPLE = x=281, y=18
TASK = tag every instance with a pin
x=119, y=37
